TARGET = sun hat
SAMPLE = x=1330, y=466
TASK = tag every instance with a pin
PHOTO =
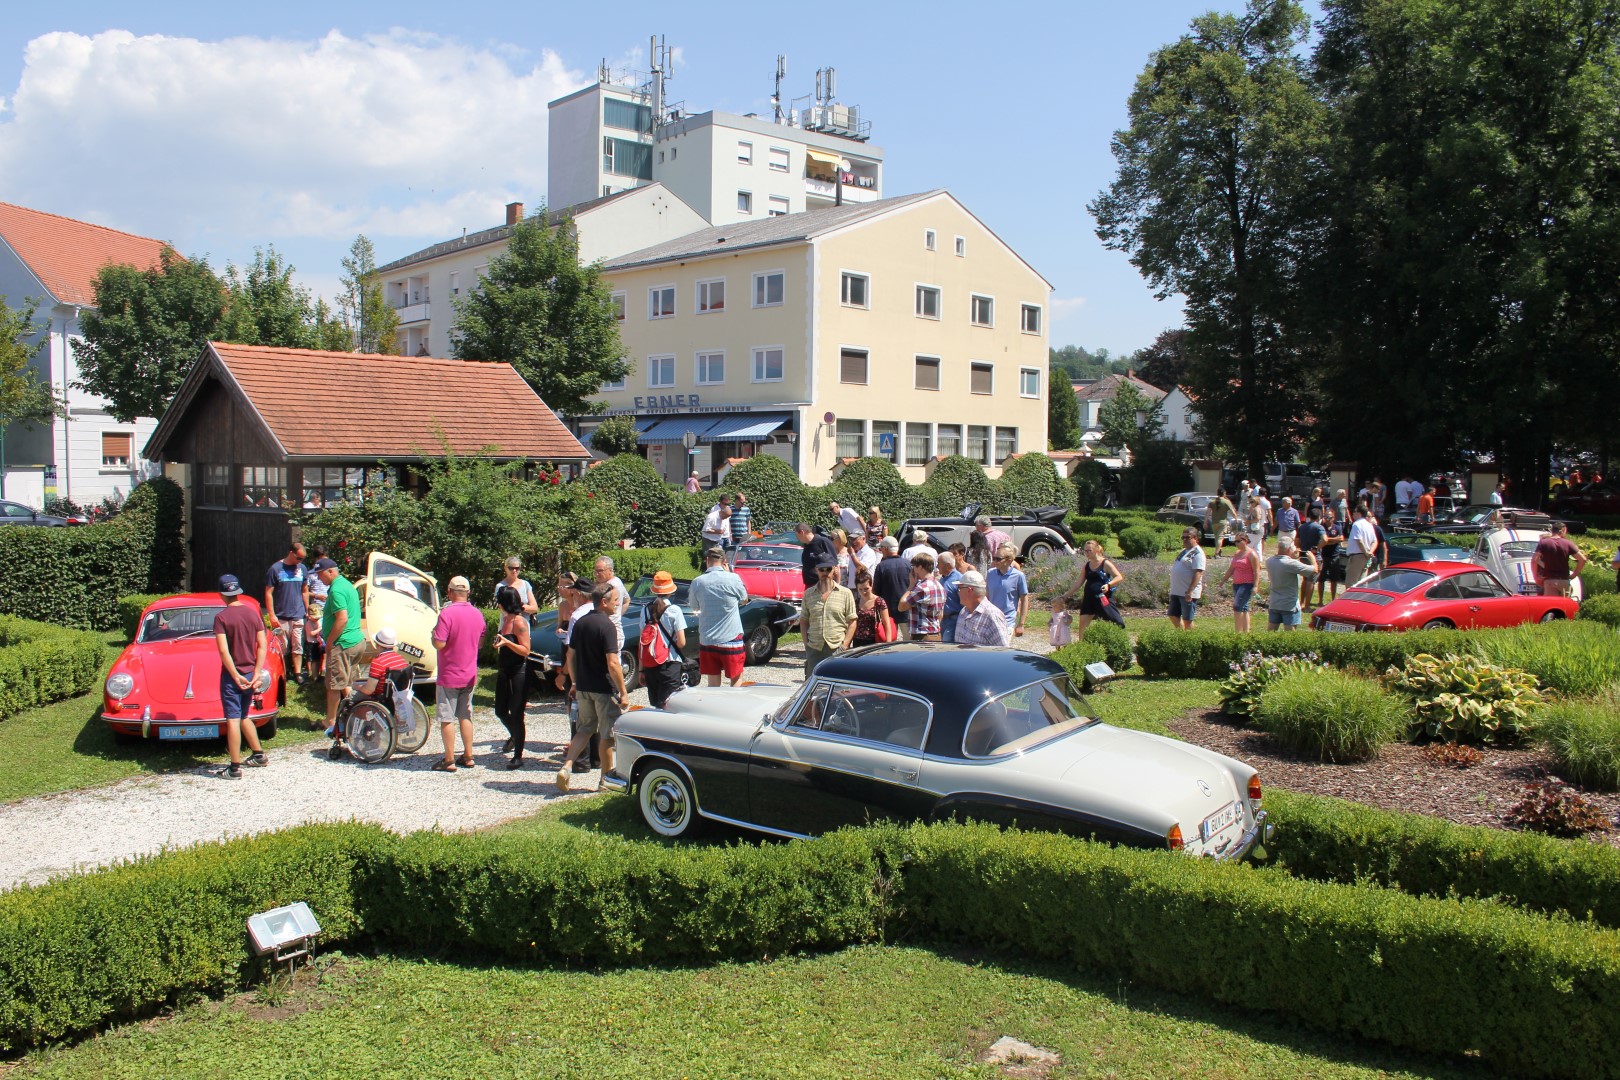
x=386, y=638
x=663, y=584
x=229, y=586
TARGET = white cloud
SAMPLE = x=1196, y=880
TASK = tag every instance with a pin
x=220, y=145
x=1066, y=305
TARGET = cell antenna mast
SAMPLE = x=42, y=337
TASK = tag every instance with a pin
x=663, y=67
x=776, y=98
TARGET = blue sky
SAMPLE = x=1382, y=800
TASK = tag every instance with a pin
x=222, y=127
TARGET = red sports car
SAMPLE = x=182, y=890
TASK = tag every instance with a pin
x=1426, y=595
x=772, y=570
x=166, y=681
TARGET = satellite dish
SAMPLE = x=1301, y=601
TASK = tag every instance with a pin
x=830, y=418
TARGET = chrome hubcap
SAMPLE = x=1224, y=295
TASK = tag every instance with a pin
x=667, y=802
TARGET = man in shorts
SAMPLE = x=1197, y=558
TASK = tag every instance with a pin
x=1187, y=581
x=718, y=595
x=340, y=629
x=593, y=663
x=1553, y=559
x=240, y=637
x=455, y=638
x=1289, y=573
x=286, y=597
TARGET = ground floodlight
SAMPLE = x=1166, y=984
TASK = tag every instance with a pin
x=1096, y=675
x=283, y=931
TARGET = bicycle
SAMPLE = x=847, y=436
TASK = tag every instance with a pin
x=372, y=726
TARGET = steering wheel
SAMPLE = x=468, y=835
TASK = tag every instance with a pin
x=842, y=720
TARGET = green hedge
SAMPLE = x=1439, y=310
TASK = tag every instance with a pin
x=1330, y=714
x=632, y=563
x=1093, y=527
x=1604, y=608
x=1208, y=654
x=41, y=663
x=1141, y=542
x=74, y=576
x=1336, y=840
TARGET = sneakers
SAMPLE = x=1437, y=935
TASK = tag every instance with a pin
x=336, y=753
x=582, y=767
x=562, y=779
x=301, y=678
x=257, y=760
x=230, y=772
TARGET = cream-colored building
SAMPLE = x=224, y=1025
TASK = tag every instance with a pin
x=902, y=328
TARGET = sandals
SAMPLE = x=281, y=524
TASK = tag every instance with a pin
x=467, y=762
x=444, y=766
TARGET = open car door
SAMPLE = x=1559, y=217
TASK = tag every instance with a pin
x=398, y=595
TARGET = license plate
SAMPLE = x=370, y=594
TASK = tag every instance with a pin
x=1219, y=820
x=189, y=731
x=408, y=649
x=1339, y=627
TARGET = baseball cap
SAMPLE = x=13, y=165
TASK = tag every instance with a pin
x=827, y=562
x=459, y=584
x=324, y=563
x=229, y=586
x=386, y=638
x=663, y=583
x=971, y=580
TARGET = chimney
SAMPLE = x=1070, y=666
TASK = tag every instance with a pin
x=514, y=213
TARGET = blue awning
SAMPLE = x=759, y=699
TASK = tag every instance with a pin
x=675, y=428
x=643, y=426
x=744, y=427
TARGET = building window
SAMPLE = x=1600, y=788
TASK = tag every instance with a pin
x=961, y=246
x=768, y=364
x=948, y=439
x=978, y=444
x=673, y=151
x=626, y=115
x=850, y=438
x=711, y=296
x=852, y=366
x=917, y=443
x=618, y=306
x=661, y=302
x=855, y=290
x=768, y=289
x=711, y=368
x=117, y=449
x=616, y=385
x=778, y=206
x=745, y=153
x=455, y=283
x=263, y=487
x=886, y=447
x=216, y=486
x=660, y=371
x=621, y=157
x=927, y=373
x=1029, y=319
x=1029, y=382
x=981, y=378
x=745, y=202
x=1006, y=443
x=984, y=310
x=930, y=239
x=927, y=302
x=324, y=486
x=779, y=159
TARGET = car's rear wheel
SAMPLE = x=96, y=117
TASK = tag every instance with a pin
x=370, y=732
x=761, y=644
x=1438, y=624
x=409, y=736
x=667, y=802
x=1039, y=549
x=630, y=664
x=1552, y=616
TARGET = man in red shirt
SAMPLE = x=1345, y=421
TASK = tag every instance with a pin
x=1552, y=561
x=386, y=661
x=239, y=634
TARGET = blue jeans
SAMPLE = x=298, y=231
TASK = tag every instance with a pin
x=947, y=628
x=1183, y=608
x=1241, y=595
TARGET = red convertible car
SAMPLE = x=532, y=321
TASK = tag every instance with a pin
x=772, y=570
x=166, y=681
x=1427, y=595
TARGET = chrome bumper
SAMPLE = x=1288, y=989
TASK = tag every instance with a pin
x=615, y=782
x=1260, y=832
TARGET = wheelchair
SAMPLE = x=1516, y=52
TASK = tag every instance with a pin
x=376, y=725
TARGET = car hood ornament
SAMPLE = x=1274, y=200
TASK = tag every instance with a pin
x=191, y=674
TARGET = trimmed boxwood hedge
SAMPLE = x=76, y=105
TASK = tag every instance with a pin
x=41, y=663
x=1208, y=654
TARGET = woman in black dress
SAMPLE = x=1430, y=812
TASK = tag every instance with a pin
x=1098, y=577
x=512, y=669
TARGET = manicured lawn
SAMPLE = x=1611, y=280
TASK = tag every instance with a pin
x=864, y=1012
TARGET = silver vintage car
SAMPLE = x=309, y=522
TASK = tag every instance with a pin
x=918, y=732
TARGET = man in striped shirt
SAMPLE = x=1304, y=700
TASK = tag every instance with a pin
x=981, y=622
x=925, y=600
x=742, y=523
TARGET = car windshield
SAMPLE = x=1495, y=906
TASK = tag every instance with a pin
x=1024, y=718
x=1397, y=579
x=172, y=624
x=770, y=553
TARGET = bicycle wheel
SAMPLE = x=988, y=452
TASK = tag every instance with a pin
x=370, y=732
x=411, y=733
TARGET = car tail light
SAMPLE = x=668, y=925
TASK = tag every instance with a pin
x=1173, y=837
x=1254, y=788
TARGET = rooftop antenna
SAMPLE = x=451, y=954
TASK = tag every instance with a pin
x=776, y=98
x=663, y=67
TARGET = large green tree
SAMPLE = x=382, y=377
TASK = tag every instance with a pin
x=267, y=307
x=1468, y=281
x=1062, y=411
x=365, y=310
x=1212, y=201
x=23, y=397
x=1130, y=419
x=548, y=316
x=148, y=327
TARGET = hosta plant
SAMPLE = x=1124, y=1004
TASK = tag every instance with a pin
x=1240, y=691
x=1466, y=699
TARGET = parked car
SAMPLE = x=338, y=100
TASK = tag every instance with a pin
x=165, y=684
x=764, y=623
x=396, y=594
x=1480, y=517
x=1407, y=547
x=1292, y=478
x=1035, y=533
x=15, y=513
x=772, y=571
x=1189, y=508
x=1509, y=553
x=1589, y=499
x=1435, y=594
x=929, y=732
x=1444, y=508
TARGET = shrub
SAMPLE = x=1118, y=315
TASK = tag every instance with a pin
x=1191, y=654
x=616, y=435
x=1146, y=584
x=1089, y=528
x=1030, y=480
x=1330, y=714
x=774, y=490
x=1141, y=542
x=74, y=576
x=1570, y=657
x=871, y=481
x=1551, y=807
x=1076, y=656
x=632, y=563
x=1249, y=676
x=1584, y=736
x=959, y=481
x=1213, y=650
x=1450, y=755
x=1466, y=699
x=1603, y=609
x=1115, y=642
x=41, y=663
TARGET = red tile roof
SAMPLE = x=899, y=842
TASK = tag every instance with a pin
x=66, y=254
x=355, y=405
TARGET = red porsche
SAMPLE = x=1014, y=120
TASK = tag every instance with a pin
x=165, y=684
x=1412, y=596
x=771, y=569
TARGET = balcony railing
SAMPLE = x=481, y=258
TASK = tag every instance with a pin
x=413, y=313
x=826, y=189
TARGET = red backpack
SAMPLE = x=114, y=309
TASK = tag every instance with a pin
x=655, y=644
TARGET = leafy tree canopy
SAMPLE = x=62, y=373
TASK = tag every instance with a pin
x=23, y=397
x=364, y=309
x=616, y=435
x=1062, y=411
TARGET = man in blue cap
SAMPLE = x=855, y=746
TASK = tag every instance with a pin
x=239, y=634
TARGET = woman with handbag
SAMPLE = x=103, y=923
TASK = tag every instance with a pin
x=1098, y=577
x=872, y=622
x=662, y=640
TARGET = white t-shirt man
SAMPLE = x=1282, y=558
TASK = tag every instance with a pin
x=716, y=528
x=850, y=521
x=1266, y=515
x=1404, y=495
x=1363, y=538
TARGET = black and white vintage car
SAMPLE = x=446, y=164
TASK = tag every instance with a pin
x=1035, y=533
x=926, y=732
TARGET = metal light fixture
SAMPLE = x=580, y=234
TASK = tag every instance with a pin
x=284, y=932
x=1096, y=675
